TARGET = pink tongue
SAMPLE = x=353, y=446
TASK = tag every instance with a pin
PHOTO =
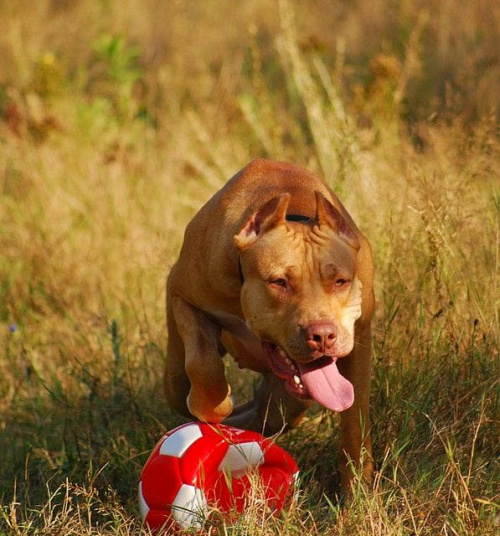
x=326, y=385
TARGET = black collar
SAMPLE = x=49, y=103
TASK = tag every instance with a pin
x=297, y=217
x=240, y=271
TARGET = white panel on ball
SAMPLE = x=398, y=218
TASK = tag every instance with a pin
x=239, y=458
x=180, y=441
x=189, y=508
x=143, y=507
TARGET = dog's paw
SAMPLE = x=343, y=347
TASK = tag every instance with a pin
x=203, y=408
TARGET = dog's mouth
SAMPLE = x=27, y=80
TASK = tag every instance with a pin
x=319, y=379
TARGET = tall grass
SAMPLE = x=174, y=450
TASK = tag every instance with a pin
x=118, y=120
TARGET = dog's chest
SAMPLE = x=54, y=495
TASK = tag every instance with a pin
x=244, y=346
x=233, y=324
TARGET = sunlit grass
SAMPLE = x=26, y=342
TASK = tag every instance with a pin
x=113, y=134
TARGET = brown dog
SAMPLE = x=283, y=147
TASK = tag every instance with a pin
x=274, y=271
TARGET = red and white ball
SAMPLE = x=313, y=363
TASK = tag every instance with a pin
x=199, y=466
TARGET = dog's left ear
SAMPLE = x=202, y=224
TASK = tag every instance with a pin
x=270, y=215
x=328, y=216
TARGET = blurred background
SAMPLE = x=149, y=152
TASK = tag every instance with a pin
x=119, y=119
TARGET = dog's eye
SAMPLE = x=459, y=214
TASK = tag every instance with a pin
x=341, y=282
x=280, y=282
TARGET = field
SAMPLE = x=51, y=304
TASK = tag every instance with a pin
x=118, y=120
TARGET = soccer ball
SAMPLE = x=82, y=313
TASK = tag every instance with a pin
x=198, y=467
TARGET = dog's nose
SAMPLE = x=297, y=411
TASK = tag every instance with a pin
x=321, y=336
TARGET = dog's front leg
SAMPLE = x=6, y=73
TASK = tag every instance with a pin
x=355, y=421
x=209, y=397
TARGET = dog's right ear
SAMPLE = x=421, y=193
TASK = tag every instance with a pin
x=270, y=215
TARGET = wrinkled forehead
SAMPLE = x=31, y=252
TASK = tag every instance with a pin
x=301, y=247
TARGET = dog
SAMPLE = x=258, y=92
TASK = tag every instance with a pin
x=274, y=271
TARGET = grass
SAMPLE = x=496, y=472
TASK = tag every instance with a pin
x=119, y=120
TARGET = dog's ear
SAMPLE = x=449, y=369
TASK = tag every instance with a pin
x=270, y=215
x=328, y=216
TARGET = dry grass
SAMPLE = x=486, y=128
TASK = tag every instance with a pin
x=119, y=119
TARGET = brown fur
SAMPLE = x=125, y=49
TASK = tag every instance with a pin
x=245, y=275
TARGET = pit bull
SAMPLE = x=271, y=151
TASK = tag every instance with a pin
x=274, y=272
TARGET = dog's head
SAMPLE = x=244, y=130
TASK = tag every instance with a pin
x=301, y=296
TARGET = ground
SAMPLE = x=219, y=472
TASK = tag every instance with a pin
x=118, y=120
